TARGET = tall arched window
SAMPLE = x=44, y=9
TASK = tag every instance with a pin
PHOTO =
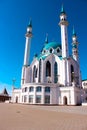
x=55, y=73
x=34, y=73
x=72, y=73
x=40, y=70
x=48, y=69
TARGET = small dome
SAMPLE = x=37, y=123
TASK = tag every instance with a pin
x=53, y=45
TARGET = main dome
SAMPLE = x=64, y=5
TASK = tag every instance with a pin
x=53, y=45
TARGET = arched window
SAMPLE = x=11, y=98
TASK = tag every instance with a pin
x=26, y=89
x=58, y=50
x=34, y=73
x=31, y=89
x=51, y=50
x=72, y=73
x=40, y=70
x=47, y=89
x=38, y=89
x=48, y=69
x=55, y=73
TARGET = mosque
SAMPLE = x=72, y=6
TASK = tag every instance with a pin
x=53, y=77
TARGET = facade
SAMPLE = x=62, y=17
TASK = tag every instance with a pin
x=53, y=77
x=84, y=92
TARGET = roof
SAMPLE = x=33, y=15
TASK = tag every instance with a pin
x=62, y=10
x=53, y=45
x=30, y=23
x=4, y=92
x=47, y=47
x=73, y=33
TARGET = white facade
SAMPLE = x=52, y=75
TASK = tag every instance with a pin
x=84, y=92
x=53, y=77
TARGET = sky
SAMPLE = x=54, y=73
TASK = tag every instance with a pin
x=14, y=18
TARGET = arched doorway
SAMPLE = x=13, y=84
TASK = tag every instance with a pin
x=64, y=100
x=16, y=99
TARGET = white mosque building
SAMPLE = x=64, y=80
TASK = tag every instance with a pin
x=53, y=77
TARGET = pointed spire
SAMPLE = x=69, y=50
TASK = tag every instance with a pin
x=74, y=33
x=30, y=23
x=62, y=9
x=5, y=92
x=46, y=40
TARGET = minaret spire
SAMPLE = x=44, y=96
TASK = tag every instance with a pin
x=46, y=39
x=74, y=45
x=64, y=35
x=62, y=9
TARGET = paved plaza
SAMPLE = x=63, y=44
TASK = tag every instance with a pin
x=35, y=117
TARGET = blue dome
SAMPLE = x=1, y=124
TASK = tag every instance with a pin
x=51, y=45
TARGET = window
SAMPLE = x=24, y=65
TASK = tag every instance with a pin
x=40, y=66
x=55, y=73
x=48, y=69
x=25, y=89
x=44, y=51
x=72, y=73
x=47, y=99
x=47, y=89
x=51, y=50
x=34, y=73
x=30, y=98
x=38, y=89
x=38, y=99
x=31, y=89
x=58, y=50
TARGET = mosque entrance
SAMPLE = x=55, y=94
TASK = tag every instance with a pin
x=47, y=99
x=16, y=99
x=65, y=100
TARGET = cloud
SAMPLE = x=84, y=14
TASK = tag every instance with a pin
x=7, y=86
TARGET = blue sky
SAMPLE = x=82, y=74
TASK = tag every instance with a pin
x=14, y=18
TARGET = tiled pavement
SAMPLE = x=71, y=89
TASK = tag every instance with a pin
x=35, y=117
x=67, y=109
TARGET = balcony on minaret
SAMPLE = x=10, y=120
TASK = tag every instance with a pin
x=29, y=33
x=63, y=17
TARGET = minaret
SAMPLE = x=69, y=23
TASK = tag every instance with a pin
x=27, y=52
x=64, y=36
x=46, y=39
x=74, y=46
x=28, y=42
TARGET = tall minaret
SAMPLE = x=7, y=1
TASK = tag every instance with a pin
x=64, y=36
x=28, y=42
x=74, y=46
x=27, y=52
